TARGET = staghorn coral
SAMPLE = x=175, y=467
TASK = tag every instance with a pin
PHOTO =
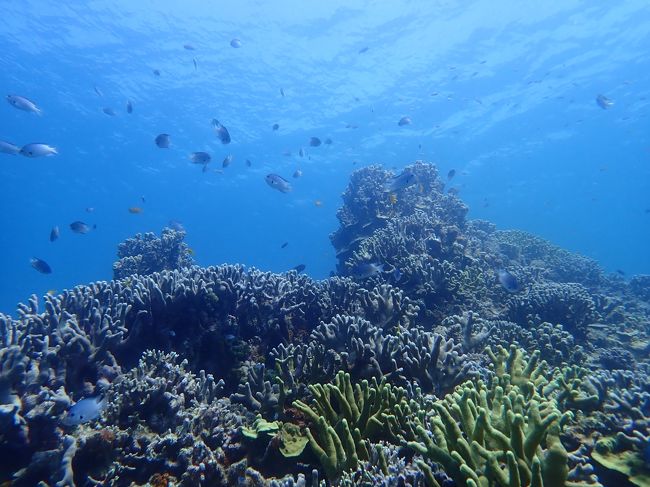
x=146, y=253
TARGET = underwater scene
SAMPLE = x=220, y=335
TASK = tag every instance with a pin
x=340, y=243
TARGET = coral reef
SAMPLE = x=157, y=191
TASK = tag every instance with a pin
x=146, y=253
x=427, y=372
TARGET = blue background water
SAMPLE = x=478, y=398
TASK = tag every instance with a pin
x=503, y=92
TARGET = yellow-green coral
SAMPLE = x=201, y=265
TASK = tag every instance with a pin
x=347, y=417
x=495, y=436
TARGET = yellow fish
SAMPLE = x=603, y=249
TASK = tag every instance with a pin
x=51, y=292
x=190, y=251
x=392, y=198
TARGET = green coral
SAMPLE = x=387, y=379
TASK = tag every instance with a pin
x=490, y=436
x=624, y=454
x=346, y=418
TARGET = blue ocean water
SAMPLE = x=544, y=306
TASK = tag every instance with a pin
x=502, y=92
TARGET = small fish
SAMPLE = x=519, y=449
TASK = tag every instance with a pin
x=392, y=198
x=301, y=152
x=200, y=158
x=23, y=103
x=275, y=126
x=134, y=210
x=129, y=106
x=156, y=72
x=8, y=148
x=363, y=49
x=51, y=292
x=284, y=245
x=38, y=150
x=90, y=209
x=222, y=132
x=196, y=65
x=297, y=174
x=328, y=141
x=248, y=163
x=282, y=92
x=54, y=233
x=318, y=203
x=83, y=411
x=508, y=281
x=98, y=91
x=397, y=275
x=81, y=227
x=451, y=174
x=176, y=225
x=40, y=265
x=226, y=162
x=191, y=252
x=351, y=126
x=603, y=102
x=236, y=43
x=163, y=141
x=620, y=272
x=278, y=182
x=404, y=121
x=142, y=199
x=109, y=111
x=286, y=153
x=402, y=181
x=189, y=47
x=299, y=268
x=314, y=141
x=364, y=270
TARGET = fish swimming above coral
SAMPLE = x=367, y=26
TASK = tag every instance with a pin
x=278, y=182
x=84, y=411
x=221, y=131
x=508, y=281
x=401, y=181
x=38, y=150
x=23, y=103
x=40, y=265
x=9, y=148
x=603, y=102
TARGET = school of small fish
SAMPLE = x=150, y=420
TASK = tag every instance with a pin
x=392, y=187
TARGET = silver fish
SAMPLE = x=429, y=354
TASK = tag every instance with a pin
x=364, y=270
x=222, y=132
x=401, y=181
x=278, y=182
x=23, y=103
x=603, y=102
x=297, y=174
x=8, y=148
x=163, y=141
x=83, y=411
x=404, y=121
x=38, y=150
x=81, y=227
x=40, y=265
x=508, y=281
x=200, y=158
